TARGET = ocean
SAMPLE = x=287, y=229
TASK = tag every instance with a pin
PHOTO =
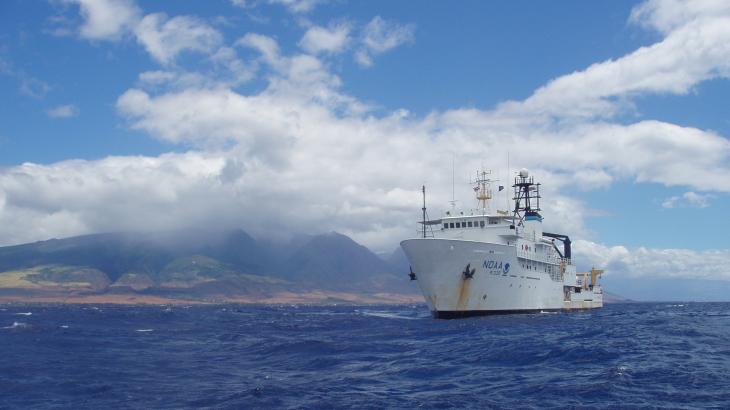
x=318, y=357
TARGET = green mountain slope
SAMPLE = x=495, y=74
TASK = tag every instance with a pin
x=197, y=263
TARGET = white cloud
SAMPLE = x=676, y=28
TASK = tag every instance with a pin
x=267, y=46
x=302, y=156
x=239, y=71
x=141, y=193
x=329, y=40
x=157, y=77
x=689, y=198
x=666, y=16
x=647, y=262
x=343, y=165
x=106, y=19
x=162, y=37
x=298, y=6
x=293, y=6
x=32, y=87
x=165, y=38
x=175, y=80
x=226, y=70
x=300, y=77
x=379, y=36
x=29, y=85
x=63, y=111
x=695, y=49
x=698, y=200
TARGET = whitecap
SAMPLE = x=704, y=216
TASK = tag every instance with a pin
x=621, y=370
x=24, y=313
x=64, y=326
x=144, y=330
x=385, y=315
x=17, y=325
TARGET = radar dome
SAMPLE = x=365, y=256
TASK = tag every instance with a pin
x=524, y=173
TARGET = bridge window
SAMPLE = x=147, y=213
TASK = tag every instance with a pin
x=446, y=226
x=458, y=224
x=481, y=223
x=451, y=224
x=469, y=224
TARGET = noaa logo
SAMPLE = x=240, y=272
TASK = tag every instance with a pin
x=496, y=267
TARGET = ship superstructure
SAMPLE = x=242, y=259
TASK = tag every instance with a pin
x=487, y=261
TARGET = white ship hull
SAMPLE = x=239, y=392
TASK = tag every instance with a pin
x=501, y=282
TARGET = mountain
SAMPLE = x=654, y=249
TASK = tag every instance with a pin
x=113, y=254
x=239, y=249
x=118, y=253
x=399, y=261
x=613, y=298
x=197, y=264
x=334, y=260
x=664, y=288
x=326, y=258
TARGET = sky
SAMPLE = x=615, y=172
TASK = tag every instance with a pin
x=285, y=117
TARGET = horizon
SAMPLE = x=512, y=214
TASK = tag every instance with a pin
x=630, y=297
x=292, y=117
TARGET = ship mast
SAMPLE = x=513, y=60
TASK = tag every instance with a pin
x=423, y=189
x=483, y=190
x=527, y=197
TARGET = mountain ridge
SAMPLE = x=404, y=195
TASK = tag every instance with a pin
x=198, y=265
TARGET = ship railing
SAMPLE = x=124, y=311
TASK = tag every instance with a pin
x=429, y=234
x=531, y=235
x=551, y=265
x=537, y=257
x=555, y=274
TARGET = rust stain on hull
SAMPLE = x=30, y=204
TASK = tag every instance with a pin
x=463, y=294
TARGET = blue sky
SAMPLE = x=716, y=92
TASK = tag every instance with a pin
x=289, y=116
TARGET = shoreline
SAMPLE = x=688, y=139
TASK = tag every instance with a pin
x=310, y=298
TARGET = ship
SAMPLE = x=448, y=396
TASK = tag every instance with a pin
x=483, y=262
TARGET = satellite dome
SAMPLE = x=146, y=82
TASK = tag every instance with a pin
x=524, y=173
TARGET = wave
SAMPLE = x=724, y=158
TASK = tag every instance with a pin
x=370, y=356
x=24, y=313
x=386, y=315
x=18, y=325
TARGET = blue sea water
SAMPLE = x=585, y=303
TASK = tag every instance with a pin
x=237, y=356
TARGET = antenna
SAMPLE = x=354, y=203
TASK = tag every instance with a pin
x=506, y=197
x=423, y=189
x=453, y=184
